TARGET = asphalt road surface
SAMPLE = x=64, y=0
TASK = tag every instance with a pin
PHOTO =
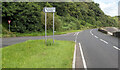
x=100, y=50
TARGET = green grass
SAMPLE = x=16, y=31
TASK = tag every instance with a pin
x=69, y=31
x=0, y=59
x=14, y=34
x=35, y=54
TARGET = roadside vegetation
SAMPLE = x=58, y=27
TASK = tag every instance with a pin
x=28, y=17
x=0, y=30
x=6, y=33
x=117, y=19
x=35, y=54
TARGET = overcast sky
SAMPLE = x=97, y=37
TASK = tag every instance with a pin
x=109, y=7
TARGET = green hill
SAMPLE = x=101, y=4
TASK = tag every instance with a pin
x=28, y=17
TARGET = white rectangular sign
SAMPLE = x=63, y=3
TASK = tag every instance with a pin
x=49, y=9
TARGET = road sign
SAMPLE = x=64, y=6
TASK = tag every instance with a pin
x=49, y=9
x=9, y=21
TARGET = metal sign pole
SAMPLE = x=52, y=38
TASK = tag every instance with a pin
x=45, y=27
x=9, y=27
x=47, y=10
x=53, y=27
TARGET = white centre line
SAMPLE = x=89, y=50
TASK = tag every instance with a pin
x=83, y=59
x=91, y=31
x=104, y=41
x=116, y=47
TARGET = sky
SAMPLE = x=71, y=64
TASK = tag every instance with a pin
x=109, y=7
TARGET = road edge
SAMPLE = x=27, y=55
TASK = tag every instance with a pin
x=74, y=57
x=83, y=58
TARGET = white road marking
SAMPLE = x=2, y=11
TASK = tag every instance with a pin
x=116, y=47
x=96, y=37
x=74, y=34
x=91, y=32
x=104, y=41
x=83, y=59
x=77, y=33
x=74, y=57
x=110, y=33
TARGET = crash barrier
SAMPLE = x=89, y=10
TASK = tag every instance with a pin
x=102, y=30
x=116, y=34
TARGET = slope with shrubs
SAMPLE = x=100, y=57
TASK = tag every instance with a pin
x=28, y=17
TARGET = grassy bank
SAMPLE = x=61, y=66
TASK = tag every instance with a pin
x=35, y=54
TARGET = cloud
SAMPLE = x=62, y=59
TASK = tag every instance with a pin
x=109, y=7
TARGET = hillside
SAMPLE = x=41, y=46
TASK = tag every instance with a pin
x=28, y=17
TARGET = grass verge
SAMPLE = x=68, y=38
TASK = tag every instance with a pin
x=14, y=34
x=35, y=54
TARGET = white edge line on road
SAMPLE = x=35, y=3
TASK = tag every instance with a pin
x=96, y=37
x=110, y=33
x=116, y=47
x=83, y=59
x=104, y=41
x=74, y=57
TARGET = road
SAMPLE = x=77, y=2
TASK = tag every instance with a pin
x=99, y=50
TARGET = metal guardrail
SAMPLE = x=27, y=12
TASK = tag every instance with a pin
x=116, y=34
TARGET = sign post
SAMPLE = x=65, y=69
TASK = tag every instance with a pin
x=53, y=27
x=9, y=21
x=48, y=10
x=45, y=27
